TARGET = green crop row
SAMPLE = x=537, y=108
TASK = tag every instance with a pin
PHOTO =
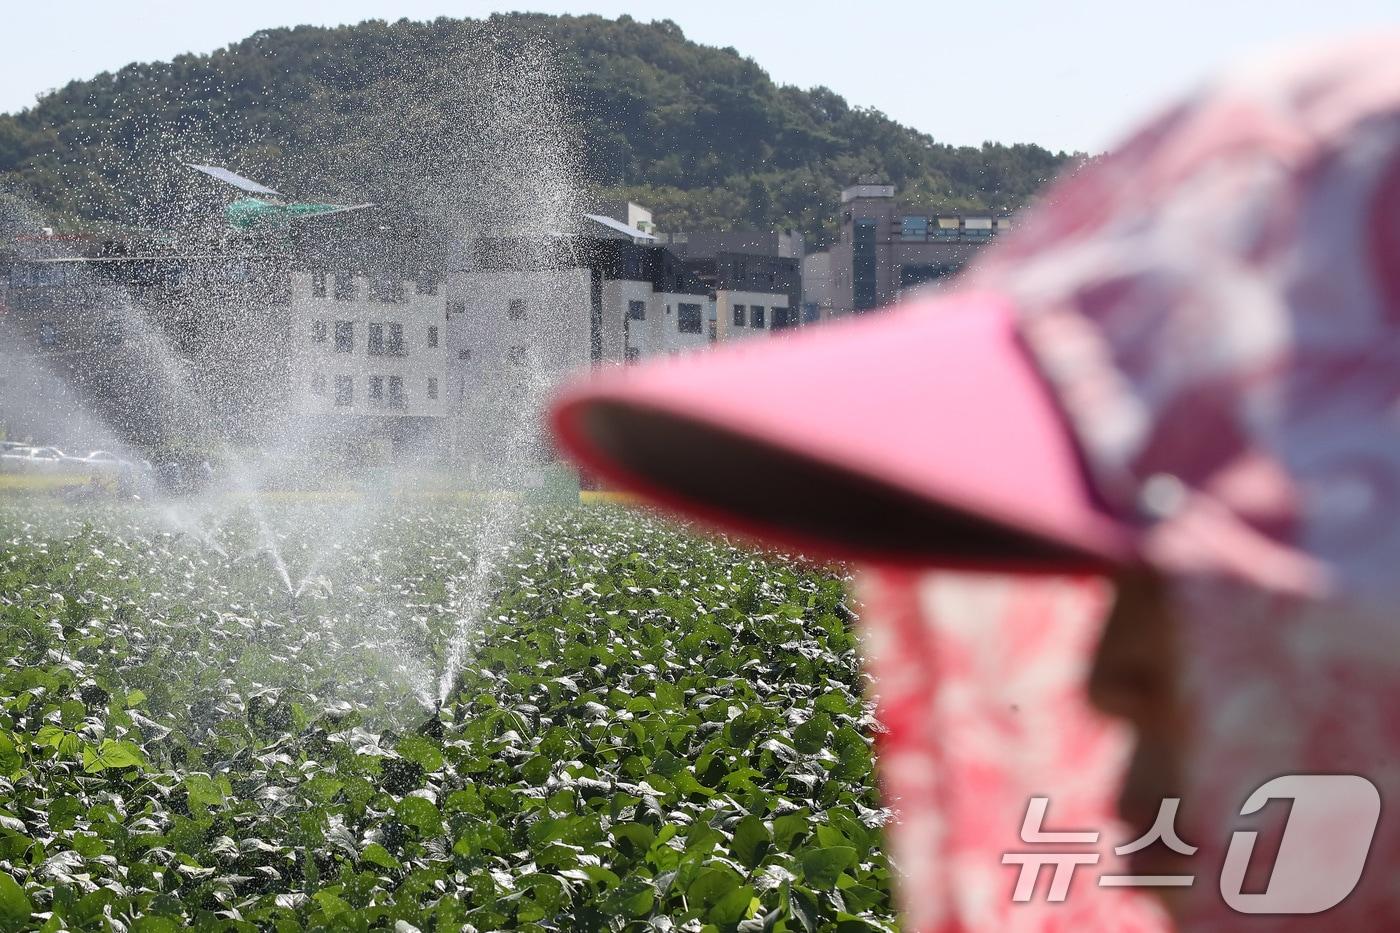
x=653, y=731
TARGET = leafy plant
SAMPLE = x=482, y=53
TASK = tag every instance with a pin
x=657, y=731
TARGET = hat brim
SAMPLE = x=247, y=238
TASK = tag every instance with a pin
x=923, y=436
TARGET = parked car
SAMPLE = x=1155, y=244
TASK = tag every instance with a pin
x=103, y=460
x=34, y=458
x=49, y=458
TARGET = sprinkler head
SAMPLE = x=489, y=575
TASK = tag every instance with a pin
x=433, y=727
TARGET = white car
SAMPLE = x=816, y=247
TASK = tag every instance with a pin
x=101, y=460
x=34, y=458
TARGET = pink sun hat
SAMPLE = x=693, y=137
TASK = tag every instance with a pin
x=924, y=435
x=1128, y=360
x=1186, y=355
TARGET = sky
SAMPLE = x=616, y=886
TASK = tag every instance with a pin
x=1067, y=74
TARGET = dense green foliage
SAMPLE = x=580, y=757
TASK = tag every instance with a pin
x=657, y=732
x=702, y=135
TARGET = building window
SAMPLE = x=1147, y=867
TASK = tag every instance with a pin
x=783, y=318
x=739, y=319
x=318, y=383
x=318, y=285
x=916, y=275
x=688, y=318
x=48, y=336
x=432, y=388
x=464, y=355
x=637, y=310
x=516, y=309
x=756, y=316
x=426, y=283
x=376, y=388
x=344, y=286
x=395, y=391
x=376, y=339
x=631, y=354
x=344, y=336
x=913, y=228
x=318, y=331
x=344, y=390
x=395, y=345
x=516, y=355
x=863, y=265
x=456, y=307
x=432, y=335
x=714, y=331
x=386, y=288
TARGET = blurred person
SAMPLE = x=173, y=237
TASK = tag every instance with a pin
x=1126, y=505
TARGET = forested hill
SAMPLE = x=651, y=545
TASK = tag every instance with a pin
x=702, y=135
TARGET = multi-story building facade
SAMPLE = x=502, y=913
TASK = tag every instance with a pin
x=888, y=248
x=155, y=345
x=511, y=335
x=746, y=270
x=371, y=350
x=643, y=302
x=357, y=342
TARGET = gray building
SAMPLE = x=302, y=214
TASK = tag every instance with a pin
x=746, y=269
x=886, y=249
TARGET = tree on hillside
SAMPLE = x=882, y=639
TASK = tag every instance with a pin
x=700, y=134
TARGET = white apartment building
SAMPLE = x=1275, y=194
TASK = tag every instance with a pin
x=742, y=315
x=371, y=350
x=511, y=337
x=463, y=361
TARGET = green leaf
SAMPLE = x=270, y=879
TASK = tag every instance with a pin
x=149, y=924
x=632, y=898
x=56, y=737
x=418, y=749
x=330, y=904
x=376, y=854
x=420, y=814
x=685, y=783
x=135, y=698
x=731, y=908
x=15, y=906
x=805, y=908
x=711, y=885
x=637, y=836
x=751, y=841
x=810, y=737
x=536, y=770
x=10, y=758
x=204, y=792
x=821, y=867
x=846, y=923
x=788, y=827
x=112, y=754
